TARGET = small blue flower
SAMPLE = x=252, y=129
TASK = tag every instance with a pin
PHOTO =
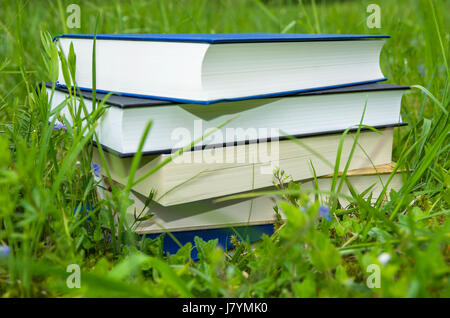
x=59, y=126
x=421, y=69
x=4, y=251
x=324, y=212
x=96, y=168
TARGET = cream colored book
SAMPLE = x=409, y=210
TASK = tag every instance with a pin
x=211, y=173
x=209, y=214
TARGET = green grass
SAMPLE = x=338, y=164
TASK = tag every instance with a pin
x=45, y=174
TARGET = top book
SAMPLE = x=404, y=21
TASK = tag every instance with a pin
x=209, y=68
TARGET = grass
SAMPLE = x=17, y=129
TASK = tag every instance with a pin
x=45, y=174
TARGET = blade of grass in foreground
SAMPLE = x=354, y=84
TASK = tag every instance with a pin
x=278, y=192
x=126, y=192
x=181, y=151
x=432, y=154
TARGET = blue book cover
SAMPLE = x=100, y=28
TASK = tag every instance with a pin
x=251, y=233
x=226, y=37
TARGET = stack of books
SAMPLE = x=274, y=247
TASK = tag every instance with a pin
x=261, y=101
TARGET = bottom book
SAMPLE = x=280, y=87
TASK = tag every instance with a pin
x=248, y=233
x=245, y=218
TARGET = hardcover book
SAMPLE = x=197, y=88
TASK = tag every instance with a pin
x=209, y=68
x=209, y=173
x=176, y=125
x=244, y=218
x=209, y=214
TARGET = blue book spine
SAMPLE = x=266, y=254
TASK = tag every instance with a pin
x=251, y=233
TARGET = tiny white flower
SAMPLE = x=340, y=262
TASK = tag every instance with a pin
x=384, y=258
x=77, y=163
